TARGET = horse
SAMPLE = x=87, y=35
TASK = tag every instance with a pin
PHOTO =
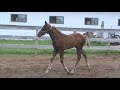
x=62, y=42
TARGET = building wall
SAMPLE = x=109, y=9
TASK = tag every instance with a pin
x=71, y=19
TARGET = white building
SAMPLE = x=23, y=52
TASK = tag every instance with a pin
x=97, y=20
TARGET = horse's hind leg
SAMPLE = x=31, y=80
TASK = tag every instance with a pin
x=61, y=59
x=54, y=54
x=85, y=56
x=78, y=59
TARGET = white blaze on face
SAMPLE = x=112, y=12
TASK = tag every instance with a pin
x=94, y=33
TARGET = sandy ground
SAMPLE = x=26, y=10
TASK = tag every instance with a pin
x=34, y=66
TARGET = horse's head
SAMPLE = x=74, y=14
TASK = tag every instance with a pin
x=45, y=29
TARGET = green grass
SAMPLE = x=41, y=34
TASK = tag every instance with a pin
x=5, y=51
x=30, y=51
x=98, y=44
x=45, y=42
x=48, y=51
x=42, y=42
x=26, y=42
x=24, y=51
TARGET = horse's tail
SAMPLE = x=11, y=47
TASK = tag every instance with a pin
x=87, y=40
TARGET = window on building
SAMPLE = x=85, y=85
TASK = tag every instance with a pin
x=18, y=18
x=56, y=19
x=118, y=22
x=102, y=24
x=91, y=21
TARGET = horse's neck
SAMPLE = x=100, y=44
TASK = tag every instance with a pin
x=55, y=35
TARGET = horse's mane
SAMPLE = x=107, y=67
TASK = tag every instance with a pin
x=58, y=30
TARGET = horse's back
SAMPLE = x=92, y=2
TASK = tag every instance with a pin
x=76, y=35
x=73, y=37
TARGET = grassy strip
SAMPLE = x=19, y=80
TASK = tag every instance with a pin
x=24, y=51
x=26, y=42
x=98, y=43
x=42, y=42
x=49, y=51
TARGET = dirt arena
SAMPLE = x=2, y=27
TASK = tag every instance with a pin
x=34, y=66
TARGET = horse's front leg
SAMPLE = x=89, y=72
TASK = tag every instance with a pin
x=61, y=59
x=51, y=60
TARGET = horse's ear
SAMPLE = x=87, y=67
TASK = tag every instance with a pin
x=45, y=23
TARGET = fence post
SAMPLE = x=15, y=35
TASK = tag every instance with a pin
x=108, y=51
x=102, y=27
x=36, y=42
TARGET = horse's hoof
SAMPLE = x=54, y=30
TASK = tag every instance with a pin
x=72, y=72
x=89, y=70
x=68, y=72
x=46, y=71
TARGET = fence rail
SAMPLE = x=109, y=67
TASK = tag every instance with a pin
x=14, y=27
x=22, y=38
x=105, y=40
x=26, y=46
x=47, y=38
x=51, y=47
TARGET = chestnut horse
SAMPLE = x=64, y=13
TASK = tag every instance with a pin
x=62, y=42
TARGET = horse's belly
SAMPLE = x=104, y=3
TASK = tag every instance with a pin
x=69, y=45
